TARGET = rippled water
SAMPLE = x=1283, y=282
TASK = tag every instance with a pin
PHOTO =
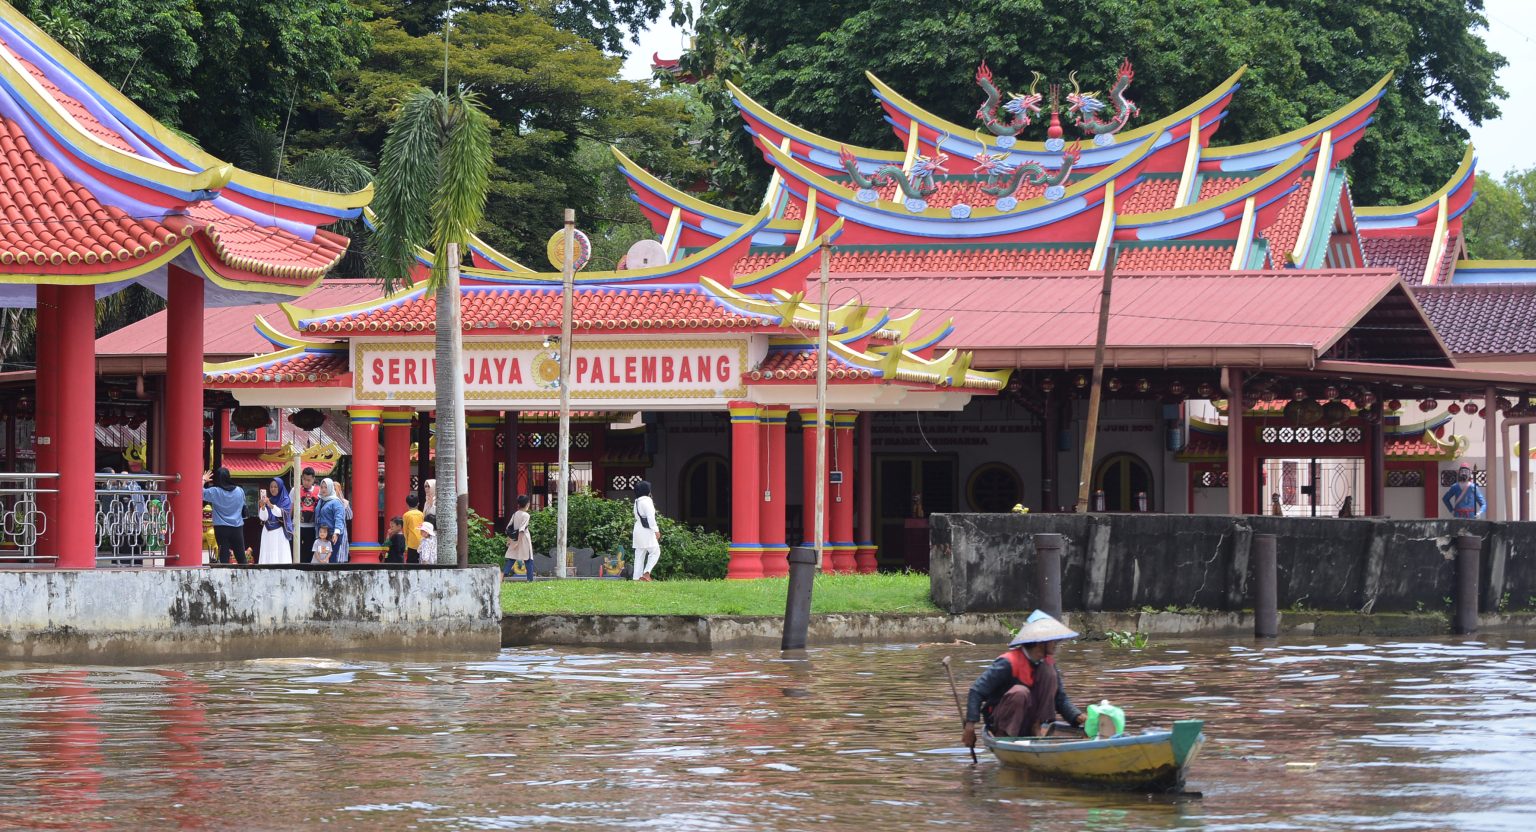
x=1386, y=735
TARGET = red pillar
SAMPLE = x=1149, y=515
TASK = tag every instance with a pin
x=841, y=494
x=1237, y=435
x=808, y=431
x=75, y=436
x=482, y=464
x=746, y=492
x=396, y=427
x=364, y=547
x=770, y=521
x=184, y=413
x=864, y=558
x=45, y=431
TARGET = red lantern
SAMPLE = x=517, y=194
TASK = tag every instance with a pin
x=1330, y=392
x=1453, y=408
x=1205, y=390
x=1428, y=404
x=1471, y=408
x=1299, y=394
x=1394, y=405
x=1176, y=388
x=1047, y=384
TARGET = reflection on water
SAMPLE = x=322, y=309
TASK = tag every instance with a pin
x=1379, y=735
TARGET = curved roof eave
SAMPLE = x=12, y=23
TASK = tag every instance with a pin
x=1074, y=201
x=1236, y=196
x=1129, y=138
x=1384, y=215
x=1231, y=156
x=748, y=106
x=207, y=168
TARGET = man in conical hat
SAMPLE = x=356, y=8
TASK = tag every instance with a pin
x=1020, y=694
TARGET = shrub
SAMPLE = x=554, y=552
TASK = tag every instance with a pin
x=485, y=545
x=606, y=526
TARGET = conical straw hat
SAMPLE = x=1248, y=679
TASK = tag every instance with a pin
x=1041, y=627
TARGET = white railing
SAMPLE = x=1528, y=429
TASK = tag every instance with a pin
x=133, y=519
x=21, y=520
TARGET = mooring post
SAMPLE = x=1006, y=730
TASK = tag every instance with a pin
x=1266, y=586
x=1048, y=573
x=797, y=606
x=1468, y=560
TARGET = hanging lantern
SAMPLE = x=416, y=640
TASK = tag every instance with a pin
x=1394, y=405
x=1471, y=408
x=1299, y=394
x=1453, y=408
x=1014, y=385
x=1367, y=398
x=1114, y=385
x=1330, y=392
x=1047, y=384
x=1205, y=390
x=136, y=419
x=1335, y=412
x=1080, y=381
x=103, y=418
x=1176, y=388
x=306, y=419
x=1428, y=404
x=1142, y=385
x=250, y=419
x=1504, y=405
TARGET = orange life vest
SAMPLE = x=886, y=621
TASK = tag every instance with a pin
x=1023, y=671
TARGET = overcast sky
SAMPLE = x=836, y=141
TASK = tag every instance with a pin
x=1503, y=145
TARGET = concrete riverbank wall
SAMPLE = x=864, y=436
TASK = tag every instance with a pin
x=147, y=616
x=986, y=562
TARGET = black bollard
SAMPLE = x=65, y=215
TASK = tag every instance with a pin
x=1266, y=581
x=797, y=606
x=1469, y=550
x=1048, y=573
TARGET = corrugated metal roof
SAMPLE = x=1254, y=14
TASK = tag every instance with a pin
x=228, y=331
x=1281, y=308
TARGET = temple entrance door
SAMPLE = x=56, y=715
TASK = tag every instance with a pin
x=1314, y=487
x=1121, y=477
x=901, y=537
x=540, y=481
x=705, y=489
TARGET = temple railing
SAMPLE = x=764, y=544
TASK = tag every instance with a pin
x=21, y=519
x=133, y=519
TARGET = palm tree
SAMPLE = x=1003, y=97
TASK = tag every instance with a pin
x=430, y=192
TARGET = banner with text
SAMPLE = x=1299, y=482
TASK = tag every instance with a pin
x=513, y=372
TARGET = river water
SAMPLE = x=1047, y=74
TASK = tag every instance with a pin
x=1318, y=735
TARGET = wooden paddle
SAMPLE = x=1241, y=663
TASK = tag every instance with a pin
x=956, y=693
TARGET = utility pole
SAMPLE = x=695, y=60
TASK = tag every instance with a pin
x=1091, y=434
x=567, y=300
x=821, y=412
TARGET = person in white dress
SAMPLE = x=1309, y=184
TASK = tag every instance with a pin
x=647, y=535
x=275, y=508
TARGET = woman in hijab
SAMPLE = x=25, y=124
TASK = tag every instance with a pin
x=332, y=515
x=276, y=512
x=228, y=502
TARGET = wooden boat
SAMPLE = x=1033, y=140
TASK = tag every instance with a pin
x=1154, y=761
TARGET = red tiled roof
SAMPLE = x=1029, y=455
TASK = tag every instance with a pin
x=1399, y=447
x=1448, y=259
x=1282, y=233
x=800, y=365
x=1409, y=255
x=249, y=464
x=1250, y=308
x=940, y=259
x=1175, y=257
x=265, y=250
x=313, y=368
x=1213, y=186
x=228, y=332
x=1486, y=319
x=1151, y=195
x=47, y=220
x=71, y=105
x=517, y=308
x=956, y=190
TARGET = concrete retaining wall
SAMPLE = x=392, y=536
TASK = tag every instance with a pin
x=150, y=615
x=985, y=562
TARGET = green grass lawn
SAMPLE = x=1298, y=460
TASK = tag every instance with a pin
x=833, y=593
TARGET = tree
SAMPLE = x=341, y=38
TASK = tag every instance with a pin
x=1501, y=224
x=602, y=22
x=1305, y=59
x=434, y=175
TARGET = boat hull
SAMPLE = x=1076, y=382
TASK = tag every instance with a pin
x=1154, y=761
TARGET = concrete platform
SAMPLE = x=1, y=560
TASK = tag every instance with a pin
x=148, y=616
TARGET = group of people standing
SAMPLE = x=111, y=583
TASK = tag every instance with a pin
x=322, y=513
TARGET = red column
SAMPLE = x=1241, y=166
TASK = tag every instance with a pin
x=864, y=558
x=770, y=520
x=45, y=432
x=364, y=546
x=184, y=413
x=1237, y=435
x=396, y=427
x=75, y=437
x=746, y=492
x=841, y=494
x=482, y=464
x=808, y=431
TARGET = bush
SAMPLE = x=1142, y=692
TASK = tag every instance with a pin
x=485, y=545
x=606, y=526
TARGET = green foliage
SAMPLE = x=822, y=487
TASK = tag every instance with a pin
x=485, y=546
x=1306, y=58
x=1501, y=224
x=1127, y=639
x=606, y=526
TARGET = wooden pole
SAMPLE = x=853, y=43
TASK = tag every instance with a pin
x=1091, y=433
x=567, y=299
